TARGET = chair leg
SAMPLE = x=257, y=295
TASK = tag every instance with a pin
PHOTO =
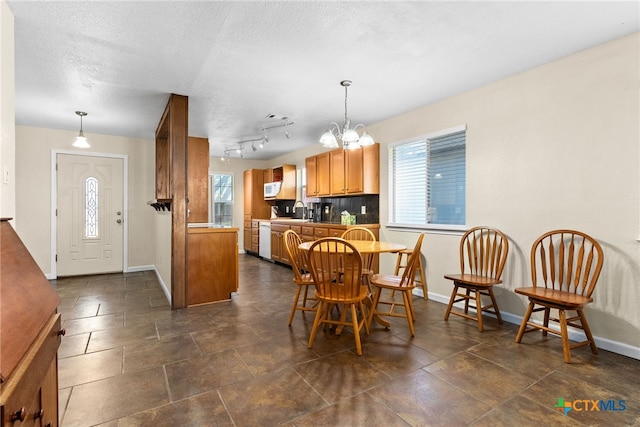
x=408, y=309
x=356, y=330
x=374, y=305
x=547, y=312
x=478, y=309
x=316, y=323
x=453, y=297
x=305, y=296
x=566, y=349
x=525, y=320
x=466, y=301
x=295, y=305
x=398, y=263
x=364, y=317
x=495, y=306
x=587, y=331
x=423, y=279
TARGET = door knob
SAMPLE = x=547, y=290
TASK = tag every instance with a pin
x=119, y=221
x=118, y=213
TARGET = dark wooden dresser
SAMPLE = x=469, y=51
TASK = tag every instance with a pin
x=30, y=334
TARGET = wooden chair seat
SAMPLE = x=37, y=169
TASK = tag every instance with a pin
x=473, y=279
x=342, y=296
x=483, y=253
x=565, y=266
x=563, y=299
x=390, y=281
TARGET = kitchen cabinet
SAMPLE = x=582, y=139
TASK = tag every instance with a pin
x=355, y=171
x=30, y=334
x=278, y=250
x=318, y=173
x=198, y=180
x=255, y=235
x=344, y=172
x=212, y=272
x=286, y=176
x=307, y=234
x=255, y=207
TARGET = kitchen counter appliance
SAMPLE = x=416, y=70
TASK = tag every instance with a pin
x=264, y=248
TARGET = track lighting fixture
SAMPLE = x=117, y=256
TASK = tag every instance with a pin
x=239, y=146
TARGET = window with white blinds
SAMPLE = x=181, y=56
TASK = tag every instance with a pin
x=427, y=180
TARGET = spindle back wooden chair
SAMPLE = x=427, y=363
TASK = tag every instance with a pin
x=483, y=253
x=565, y=266
x=342, y=288
x=393, y=283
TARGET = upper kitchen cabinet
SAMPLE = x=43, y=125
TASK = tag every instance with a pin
x=351, y=172
x=318, y=174
x=282, y=181
x=198, y=179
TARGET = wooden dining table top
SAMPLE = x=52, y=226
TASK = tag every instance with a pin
x=366, y=246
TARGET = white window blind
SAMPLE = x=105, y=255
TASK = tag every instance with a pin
x=428, y=180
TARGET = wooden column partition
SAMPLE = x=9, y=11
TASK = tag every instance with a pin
x=174, y=128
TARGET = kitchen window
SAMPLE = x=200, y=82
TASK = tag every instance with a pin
x=221, y=198
x=427, y=181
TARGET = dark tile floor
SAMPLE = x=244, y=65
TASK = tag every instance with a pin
x=128, y=360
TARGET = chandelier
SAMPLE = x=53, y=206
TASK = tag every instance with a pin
x=350, y=138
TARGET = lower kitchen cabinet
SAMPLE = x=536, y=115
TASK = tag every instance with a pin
x=278, y=249
x=212, y=266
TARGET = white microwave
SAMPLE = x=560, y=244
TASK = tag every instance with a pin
x=271, y=189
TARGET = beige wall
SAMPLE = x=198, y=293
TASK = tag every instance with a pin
x=33, y=176
x=554, y=147
x=7, y=114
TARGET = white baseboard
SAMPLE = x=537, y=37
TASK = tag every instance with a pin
x=165, y=289
x=574, y=334
x=141, y=268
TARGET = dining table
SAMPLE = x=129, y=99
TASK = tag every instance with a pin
x=368, y=247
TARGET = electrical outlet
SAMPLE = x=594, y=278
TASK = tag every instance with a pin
x=363, y=210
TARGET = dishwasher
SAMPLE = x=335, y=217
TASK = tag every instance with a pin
x=264, y=250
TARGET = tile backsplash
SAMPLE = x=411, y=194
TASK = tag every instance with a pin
x=336, y=205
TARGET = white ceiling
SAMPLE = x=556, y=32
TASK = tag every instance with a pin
x=240, y=61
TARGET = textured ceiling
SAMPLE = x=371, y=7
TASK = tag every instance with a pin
x=240, y=61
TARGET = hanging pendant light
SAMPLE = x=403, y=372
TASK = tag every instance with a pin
x=350, y=138
x=81, y=140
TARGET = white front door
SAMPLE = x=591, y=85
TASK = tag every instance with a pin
x=90, y=217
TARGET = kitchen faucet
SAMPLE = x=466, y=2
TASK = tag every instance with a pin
x=299, y=203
